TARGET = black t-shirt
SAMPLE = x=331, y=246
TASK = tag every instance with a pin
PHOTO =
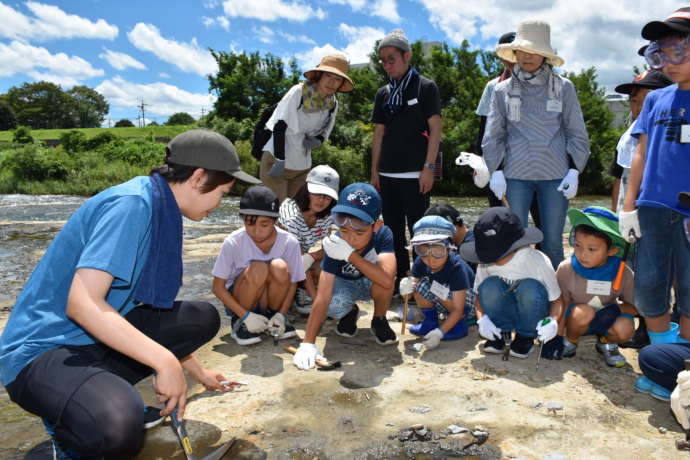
x=404, y=145
x=615, y=169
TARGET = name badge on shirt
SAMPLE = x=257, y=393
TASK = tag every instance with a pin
x=684, y=134
x=554, y=105
x=412, y=101
x=598, y=287
x=439, y=290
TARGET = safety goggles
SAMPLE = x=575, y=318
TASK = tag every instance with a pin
x=660, y=53
x=435, y=250
x=357, y=225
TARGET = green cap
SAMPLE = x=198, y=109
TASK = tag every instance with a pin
x=599, y=218
x=207, y=149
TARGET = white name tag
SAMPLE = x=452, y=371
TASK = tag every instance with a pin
x=684, y=134
x=439, y=290
x=598, y=287
x=412, y=101
x=554, y=105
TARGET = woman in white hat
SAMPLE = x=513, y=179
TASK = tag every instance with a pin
x=307, y=216
x=536, y=142
x=302, y=121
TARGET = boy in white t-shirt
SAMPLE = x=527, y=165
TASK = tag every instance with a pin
x=257, y=270
x=516, y=286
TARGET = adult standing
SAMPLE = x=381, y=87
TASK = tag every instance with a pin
x=536, y=141
x=407, y=133
x=301, y=122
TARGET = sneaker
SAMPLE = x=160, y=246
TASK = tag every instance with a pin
x=241, y=334
x=521, y=346
x=152, y=417
x=612, y=356
x=59, y=452
x=302, y=301
x=569, y=348
x=645, y=385
x=494, y=346
x=383, y=333
x=347, y=326
x=289, y=330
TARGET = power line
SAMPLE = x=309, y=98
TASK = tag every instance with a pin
x=142, y=107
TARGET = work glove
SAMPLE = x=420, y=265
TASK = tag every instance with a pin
x=276, y=325
x=547, y=329
x=433, y=338
x=337, y=248
x=680, y=399
x=307, y=261
x=629, y=226
x=310, y=143
x=497, y=184
x=278, y=168
x=488, y=329
x=569, y=184
x=553, y=349
x=407, y=285
x=306, y=356
x=255, y=323
x=481, y=172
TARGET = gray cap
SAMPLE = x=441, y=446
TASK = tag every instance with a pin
x=323, y=180
x=207, y=149
x=396, y=39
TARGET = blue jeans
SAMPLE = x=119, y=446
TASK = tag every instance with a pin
x=346, y=293
x=662, y=362
x=552, y=211
x=518, y=307
x=661, y=253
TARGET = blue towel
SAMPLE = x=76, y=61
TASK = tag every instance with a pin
x=161, y=277
x=606, y=272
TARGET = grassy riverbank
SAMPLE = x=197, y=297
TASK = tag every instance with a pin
x=129, y=133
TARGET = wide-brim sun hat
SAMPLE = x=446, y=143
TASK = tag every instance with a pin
x=337, y=65
x=651, y=79
x=534, y=37
x=599, y=218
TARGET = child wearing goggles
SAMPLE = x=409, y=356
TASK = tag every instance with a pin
x=440, y=281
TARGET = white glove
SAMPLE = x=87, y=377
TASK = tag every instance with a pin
x=569, y=184
x=481, y=171
x=547, y=328
x=256, y=324
x=276, y=325
x=498, y=185
x=407, y=285
x=629, y=226
x=433, y=338
x=306, y=356
x=307, y=261
x=488, y=329
x=680, y=399
x=337, y=248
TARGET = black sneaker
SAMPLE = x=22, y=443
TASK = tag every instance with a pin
x=383, y=333
x=241, y=334
x=289, y=330
x=152, y=417
x=347, y=326
x=494, y=346
x=521, y=346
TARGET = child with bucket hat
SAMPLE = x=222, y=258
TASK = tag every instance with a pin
x=440, y=281
x=535, y=141
x=594, y=302
x=515, y=285
x=301, y=122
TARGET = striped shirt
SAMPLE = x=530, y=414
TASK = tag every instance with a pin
x=292, y=220
x=537, y=146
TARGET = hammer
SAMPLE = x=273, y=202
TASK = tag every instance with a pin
x=321, y=364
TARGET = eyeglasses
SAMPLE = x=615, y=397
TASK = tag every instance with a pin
x=435, y=250
x=660, y=53
x=357, y=225
x=390, y=60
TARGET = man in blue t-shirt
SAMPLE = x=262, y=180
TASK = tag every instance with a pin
x=359, y=264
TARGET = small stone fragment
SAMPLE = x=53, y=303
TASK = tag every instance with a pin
x=420, y=409
x=416, y=427
x=404, y=435
x=662, y=430
x=454, y=429
x=418, y=347
x=479, y=409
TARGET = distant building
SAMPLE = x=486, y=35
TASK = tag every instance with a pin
x=619, y=106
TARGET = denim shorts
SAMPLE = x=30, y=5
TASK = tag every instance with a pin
x=346, y=293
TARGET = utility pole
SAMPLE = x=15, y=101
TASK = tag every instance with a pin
x=142, y=107
x=203, y=112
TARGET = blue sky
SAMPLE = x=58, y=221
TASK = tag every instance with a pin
x=156, y=51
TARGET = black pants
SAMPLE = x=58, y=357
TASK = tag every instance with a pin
x=402, y=203
x=87, y=393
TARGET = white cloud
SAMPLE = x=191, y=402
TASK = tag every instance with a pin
x=50, y=22
x=162, y=99
x=269, y=35
x=385, y=9
x=40, y=64
x=272, y=10
x=221, y=21
x=163, y=75
x=595, y=33
x=360, y=43
x=121, y=61
x=189, y=57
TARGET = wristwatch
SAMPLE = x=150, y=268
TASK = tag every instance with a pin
x=429, y=165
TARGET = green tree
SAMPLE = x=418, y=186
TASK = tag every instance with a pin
x=89, y=107
x=22, y=135
x=124, y=123
x=180, y=118
x=7, y=118
x=41, y=105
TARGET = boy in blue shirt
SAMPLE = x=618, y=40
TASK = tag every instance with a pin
x=440, y=281
x=99, y=312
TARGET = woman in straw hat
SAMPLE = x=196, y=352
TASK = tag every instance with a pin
x=535, y=141
x=302, y=121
